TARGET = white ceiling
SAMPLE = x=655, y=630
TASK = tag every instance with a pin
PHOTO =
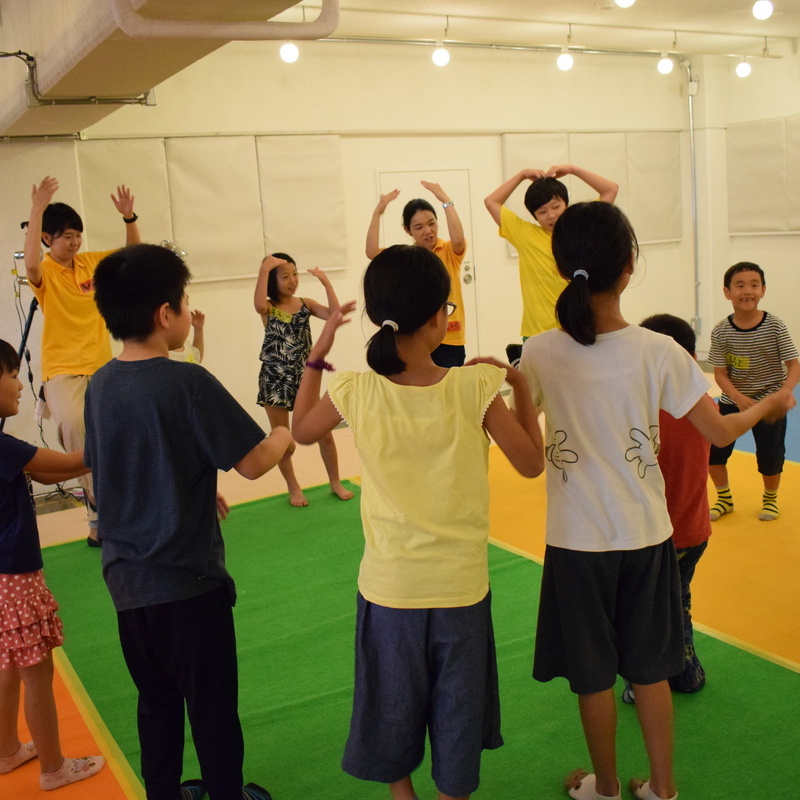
x=702, y=26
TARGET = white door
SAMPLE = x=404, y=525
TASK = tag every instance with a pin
x=456, y=183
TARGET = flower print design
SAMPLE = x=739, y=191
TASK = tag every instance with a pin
x=645, y=450
x=559, y=456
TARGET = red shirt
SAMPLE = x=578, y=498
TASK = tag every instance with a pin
x=683, y=459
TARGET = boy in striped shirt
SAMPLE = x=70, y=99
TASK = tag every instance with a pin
x=752, y=355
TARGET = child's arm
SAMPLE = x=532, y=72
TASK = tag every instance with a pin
x=266, y=454
x=792, y=375
x=50, y=466
x=314, y=417
x=516, y=431
x=742, y=401
x=603, y=186
x=198, y=320
x=495, y=201
x=260, y=299
x=317, y=309
x=373, y=232
x=41, y=196
x=123, y=202
x=722, y=430
x=454, y=227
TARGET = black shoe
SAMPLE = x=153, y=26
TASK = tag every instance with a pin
x=193, y=790
x=252, y=791
x=93, y=542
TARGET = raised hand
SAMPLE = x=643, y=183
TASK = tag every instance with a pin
x=319, y=275
x=534, y=174
x=559, y=170
x=385, y=199
x=123, y=201
x=437, y=191
x=337, y=317
x=198, y=319
x=42, y=194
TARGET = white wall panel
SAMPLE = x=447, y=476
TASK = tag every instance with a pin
x=302, y=195
x=216, y=205
x=141, y=165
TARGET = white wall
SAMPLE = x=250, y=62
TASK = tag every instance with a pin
x=395, y=111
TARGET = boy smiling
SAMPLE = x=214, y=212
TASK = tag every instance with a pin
x=752, y=355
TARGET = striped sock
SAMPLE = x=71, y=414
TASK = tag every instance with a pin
x=769, y=506
x=724, y=504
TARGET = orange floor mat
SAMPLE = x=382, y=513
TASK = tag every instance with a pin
x=744, y=592
x=82, y=733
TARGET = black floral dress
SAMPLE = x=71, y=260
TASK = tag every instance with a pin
x=287, y=343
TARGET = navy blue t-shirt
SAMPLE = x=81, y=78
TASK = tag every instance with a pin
x=19, y=535
x=157, y=431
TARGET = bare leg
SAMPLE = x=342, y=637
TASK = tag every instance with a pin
x=9, y=712
x=599, y=719
x=403, y=789
x=772, y=482
x=327, y=449
x=718, y=474
x=280, y=416
x=40, y=713
x=654, y=708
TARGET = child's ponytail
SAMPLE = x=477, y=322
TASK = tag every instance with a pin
x=593, y=243
x=404, y=286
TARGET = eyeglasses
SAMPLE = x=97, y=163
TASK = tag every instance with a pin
x=451, y=307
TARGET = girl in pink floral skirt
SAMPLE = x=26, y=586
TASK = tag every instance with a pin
x=29, y=625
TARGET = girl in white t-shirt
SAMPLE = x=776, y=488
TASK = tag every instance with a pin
x=425, y=659
x=610, y=600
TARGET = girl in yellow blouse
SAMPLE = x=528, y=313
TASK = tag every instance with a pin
x=425, y=658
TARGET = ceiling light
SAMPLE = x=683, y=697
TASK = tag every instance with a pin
x=762, y=9
x=665, y=65
x=565, y=61
x=624, y=3
x=441, y=56
x=289, y=52
x=743, y=69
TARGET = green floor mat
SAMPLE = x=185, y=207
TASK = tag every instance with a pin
x=296, y=570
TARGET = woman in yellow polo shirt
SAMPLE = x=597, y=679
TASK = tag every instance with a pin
x=75, y=342
x=421, y=224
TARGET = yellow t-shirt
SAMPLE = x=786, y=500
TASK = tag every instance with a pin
x=452, y=261
x=425, y=489
x=538, y=276
x=75, y=339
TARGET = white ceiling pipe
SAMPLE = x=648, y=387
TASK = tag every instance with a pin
x=139, y=27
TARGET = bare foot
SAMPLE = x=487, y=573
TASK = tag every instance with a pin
x=340, y=491
x=297, y=498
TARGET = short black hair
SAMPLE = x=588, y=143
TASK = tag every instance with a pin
x=9, y=359
x=59, y=217
x=542, y=191
x=742, y=266
x=414, y=206
x=132, y=283
x=679, y=329
x=272, y=278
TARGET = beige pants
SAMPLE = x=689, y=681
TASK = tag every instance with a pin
x=64, y=395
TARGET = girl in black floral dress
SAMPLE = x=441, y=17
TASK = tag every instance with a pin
x=287, y=343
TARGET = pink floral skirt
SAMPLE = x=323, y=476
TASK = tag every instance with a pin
x=29, y=625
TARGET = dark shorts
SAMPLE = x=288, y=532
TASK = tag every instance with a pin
x=770, y=447
x=418, y=671
x=449, y=355
x=608, y=614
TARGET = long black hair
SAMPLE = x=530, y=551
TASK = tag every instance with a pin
x=272, y=278
x=592, y=245
x=405, y=285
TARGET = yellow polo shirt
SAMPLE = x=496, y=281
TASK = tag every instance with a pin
x=455, y=323
x=75, y=339
x=539, y=277
x=424, y=484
